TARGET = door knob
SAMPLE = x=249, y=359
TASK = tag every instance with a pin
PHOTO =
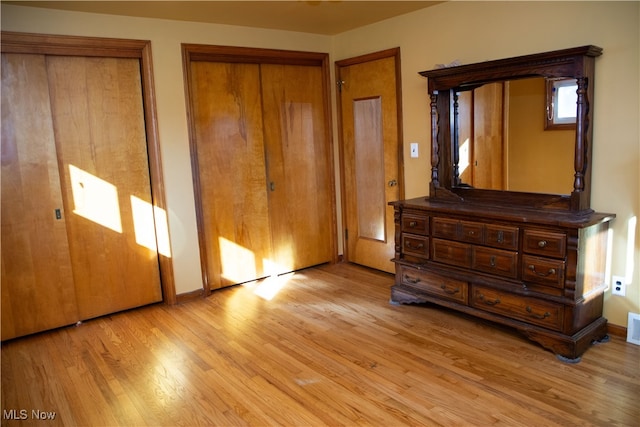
x=393, y=183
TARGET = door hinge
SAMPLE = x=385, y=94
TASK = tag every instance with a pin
x=340, y=83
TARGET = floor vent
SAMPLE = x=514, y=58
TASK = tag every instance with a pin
x=633, y=328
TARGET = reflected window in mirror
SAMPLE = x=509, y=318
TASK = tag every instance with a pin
x=562, y=97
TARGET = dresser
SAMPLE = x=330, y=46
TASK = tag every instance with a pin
x=507, y=232
x=541, y=273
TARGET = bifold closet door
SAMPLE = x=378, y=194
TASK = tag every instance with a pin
x=298, y=165
x=78, y=237
x=263, y=169
x=37, y=282
x=101, y=145
x=227, y=116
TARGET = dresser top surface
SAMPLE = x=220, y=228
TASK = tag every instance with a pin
x=494, y=212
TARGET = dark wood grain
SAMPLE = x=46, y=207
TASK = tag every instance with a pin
x=547, y=283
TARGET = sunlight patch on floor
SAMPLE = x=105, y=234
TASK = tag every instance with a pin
x=268, y=288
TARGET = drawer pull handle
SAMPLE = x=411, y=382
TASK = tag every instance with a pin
x=547, y=274
x=492, y=261
x=488, y=302
x=449, y=291
x=500, y=236
x=413, y=224
x=411, y=279
x=542, y=244
x=418, y=246
x=538, y=316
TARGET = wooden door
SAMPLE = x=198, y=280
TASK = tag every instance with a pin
x=488, y=136
x=37, y=282
x=234, y=219
x=101, y=143
x=481, y=137
x=371, y=146
x=263, y=165
x=298, y=166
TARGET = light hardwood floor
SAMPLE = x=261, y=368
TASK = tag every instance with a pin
x=327, y=349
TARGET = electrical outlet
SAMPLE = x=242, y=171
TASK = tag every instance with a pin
x=617, y=286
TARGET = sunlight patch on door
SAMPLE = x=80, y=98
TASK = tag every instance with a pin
x=464, y=156
x=283, y=253
x=147, y=221
x=238, y=263
x=95, y=199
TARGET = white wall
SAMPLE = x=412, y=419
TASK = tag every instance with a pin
x=467, y=31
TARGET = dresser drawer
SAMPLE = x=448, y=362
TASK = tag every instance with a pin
x=445, y=228
x=495, y=261
x=545, y=271
x=544, y=243
x=415, y=224
x=530, y=310
x=453, y=253
x=472, y=232
x=440, y=286
x=503, y=237
x=415, y=245
x=466, y=231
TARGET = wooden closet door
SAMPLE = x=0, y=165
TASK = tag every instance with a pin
x=229, y=145
x=488, y=137
x=481, y=137
x=37, y=283
x=101, y=142
x=298, y=165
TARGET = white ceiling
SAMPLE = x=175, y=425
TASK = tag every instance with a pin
x=327, y=17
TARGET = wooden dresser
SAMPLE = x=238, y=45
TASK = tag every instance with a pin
x=539, y=272
x=523, y=256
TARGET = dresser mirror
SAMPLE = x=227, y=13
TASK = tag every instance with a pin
x=515, y=135
x=496, y=137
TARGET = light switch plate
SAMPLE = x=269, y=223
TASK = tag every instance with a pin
x=414, y=150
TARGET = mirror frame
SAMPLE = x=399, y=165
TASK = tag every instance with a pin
x=445, y=83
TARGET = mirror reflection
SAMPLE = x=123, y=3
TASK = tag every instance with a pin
x=503, y=143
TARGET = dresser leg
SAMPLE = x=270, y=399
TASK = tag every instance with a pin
x=568, y=359
x=603, y=340
x=569, y=348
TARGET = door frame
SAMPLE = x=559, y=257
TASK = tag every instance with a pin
x=395, y=54
x=232, y=54
x=46, y=44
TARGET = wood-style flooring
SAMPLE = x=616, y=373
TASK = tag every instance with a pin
x=327, y=349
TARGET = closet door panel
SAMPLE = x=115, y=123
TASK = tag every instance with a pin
x=228, y=127
x=101, y=142
x=37, y=283
x=298, y=166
